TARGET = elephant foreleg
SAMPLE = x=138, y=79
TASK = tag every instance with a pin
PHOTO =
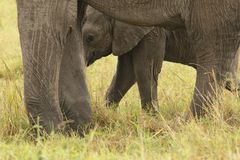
x=122, y=81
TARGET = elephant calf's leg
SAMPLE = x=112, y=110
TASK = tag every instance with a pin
x=147, y=61
x=147, y=79
x=122, y=81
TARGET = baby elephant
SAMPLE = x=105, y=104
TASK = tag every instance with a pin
x=140, y=51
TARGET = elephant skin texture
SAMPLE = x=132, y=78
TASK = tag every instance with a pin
x=141, y=51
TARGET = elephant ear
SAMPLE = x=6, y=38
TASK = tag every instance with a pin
x=126, y=37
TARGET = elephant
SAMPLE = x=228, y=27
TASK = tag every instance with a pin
x=140, y=52
x=213, y=31
x=55, y=90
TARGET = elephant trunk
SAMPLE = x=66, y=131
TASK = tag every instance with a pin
x=42, y=32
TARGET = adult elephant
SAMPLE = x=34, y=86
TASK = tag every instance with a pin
x=55, y=89
x=140, y=51
x=213, y=28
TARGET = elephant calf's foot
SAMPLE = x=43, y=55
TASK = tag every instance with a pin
x=151, y=108
x=112, y=101
x=111, y=104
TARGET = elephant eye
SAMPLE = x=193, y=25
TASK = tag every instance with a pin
x=89, y=38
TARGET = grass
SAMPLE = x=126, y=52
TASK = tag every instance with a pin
x=127, y=133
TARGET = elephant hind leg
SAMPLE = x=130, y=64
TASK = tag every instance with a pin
x=209, y=83
x=233, y=84
x=147, y=80
x=147, y=61
x=216, y=59
x=205, y=91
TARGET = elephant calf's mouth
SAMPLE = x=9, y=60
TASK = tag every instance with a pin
x=91, y=58
x=95, y=55
x=89, y=63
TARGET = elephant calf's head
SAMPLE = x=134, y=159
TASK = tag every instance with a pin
x=103, y=36
x=97, y=37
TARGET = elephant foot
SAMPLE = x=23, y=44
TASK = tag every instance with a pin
x=151, y=108
x=112, y=100
x=42, y=130
x=111, y=104
x=77, y=116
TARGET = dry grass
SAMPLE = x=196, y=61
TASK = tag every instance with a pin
x=127, y=133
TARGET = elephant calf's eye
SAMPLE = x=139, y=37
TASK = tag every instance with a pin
x=89, y=38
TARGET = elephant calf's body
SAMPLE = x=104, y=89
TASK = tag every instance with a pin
x=213, y=26
x=140, y=51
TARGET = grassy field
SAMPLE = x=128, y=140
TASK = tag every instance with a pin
x=126, y=133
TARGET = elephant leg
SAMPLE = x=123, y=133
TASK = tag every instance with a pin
x=205, y=89
x=122, y=81
x=215, y=42
x=74, y=96
x=233, y=84
x=147, y=61
x=213, y=71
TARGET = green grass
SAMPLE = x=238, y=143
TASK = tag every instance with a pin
x=127, y=133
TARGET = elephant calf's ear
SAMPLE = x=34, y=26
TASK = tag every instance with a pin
x=126, y=37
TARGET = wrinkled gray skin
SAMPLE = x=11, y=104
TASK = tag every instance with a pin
x=212, y=28
x=55, y=89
